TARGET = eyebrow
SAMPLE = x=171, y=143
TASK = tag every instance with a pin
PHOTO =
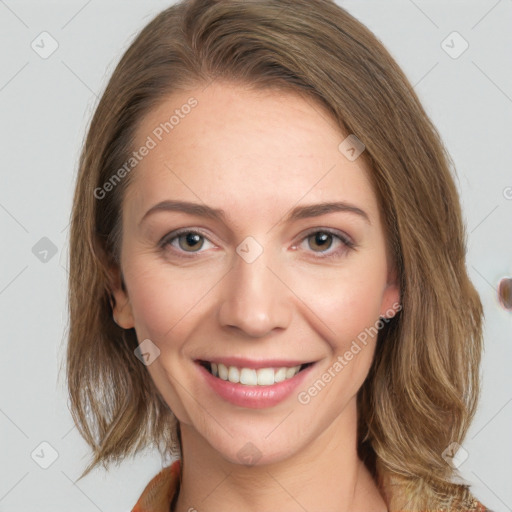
x=299, y=212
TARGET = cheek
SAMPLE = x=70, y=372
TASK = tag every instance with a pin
x=350, y=308
x=345, y=303
x=357, y=308
x=164, y=299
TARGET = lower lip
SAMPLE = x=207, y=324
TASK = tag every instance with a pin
x=254, y=397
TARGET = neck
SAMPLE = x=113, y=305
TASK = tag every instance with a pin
x=325, y=474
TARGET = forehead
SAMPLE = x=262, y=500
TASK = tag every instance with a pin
x=258, y=151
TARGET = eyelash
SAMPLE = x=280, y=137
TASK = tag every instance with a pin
x=347, y=243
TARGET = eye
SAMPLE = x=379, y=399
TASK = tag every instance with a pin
x=187, y=241
x=322, y=240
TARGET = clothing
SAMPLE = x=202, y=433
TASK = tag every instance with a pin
x=160, y=491
x=163, y=487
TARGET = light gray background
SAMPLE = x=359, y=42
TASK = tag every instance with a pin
x=46, y=105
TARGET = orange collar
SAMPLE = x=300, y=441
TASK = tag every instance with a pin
x=159, y=492
x=163, y=487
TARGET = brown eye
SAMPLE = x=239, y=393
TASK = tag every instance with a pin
x=185, y=242
x=190, y=240
x=321, y=240
x=325, y=243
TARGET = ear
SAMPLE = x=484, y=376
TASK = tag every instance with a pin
x=391, y=300
x=121, y=307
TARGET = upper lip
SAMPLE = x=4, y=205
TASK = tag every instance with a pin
x=241, y=362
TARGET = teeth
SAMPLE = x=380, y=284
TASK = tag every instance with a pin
x=223, y=371
x=252, y=377
x=248, y=376
x=290, y=372
x=280, y=375
x=265, y=377
x=233, y=374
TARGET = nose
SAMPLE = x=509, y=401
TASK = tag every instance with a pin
x=255, y=301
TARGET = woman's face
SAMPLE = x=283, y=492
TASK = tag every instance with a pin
x=280, y=262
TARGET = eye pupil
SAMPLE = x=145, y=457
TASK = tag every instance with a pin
x=192, y=240
x=320, y=238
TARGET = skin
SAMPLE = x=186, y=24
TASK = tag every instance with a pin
x=257, y=155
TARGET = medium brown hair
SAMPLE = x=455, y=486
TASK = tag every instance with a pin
x=422, y=389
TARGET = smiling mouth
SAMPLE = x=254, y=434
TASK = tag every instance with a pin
x=252, y=376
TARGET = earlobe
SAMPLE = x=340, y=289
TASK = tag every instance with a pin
x=120, y=302
x=391, y=298
x=391, y=303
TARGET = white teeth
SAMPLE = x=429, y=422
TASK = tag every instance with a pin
x=265, y=377
x=249, y=377
x=252, y=377
x=223, y=371
x=280, y=375
x=290, y=372
x=233, y=374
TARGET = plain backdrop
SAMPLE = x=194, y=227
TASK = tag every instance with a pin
x=46, y=102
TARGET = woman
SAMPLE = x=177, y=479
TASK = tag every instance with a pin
x=267, y=273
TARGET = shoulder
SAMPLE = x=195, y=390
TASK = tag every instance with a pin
x=407, y=495
x=479, y=507
x=159, y=492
